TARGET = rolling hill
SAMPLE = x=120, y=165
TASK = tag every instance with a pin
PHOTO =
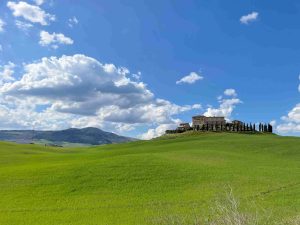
x=169, y=180
x=72, y=136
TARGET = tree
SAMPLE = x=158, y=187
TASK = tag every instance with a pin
x=260, y=127
x=270, y=128
x=265, y=128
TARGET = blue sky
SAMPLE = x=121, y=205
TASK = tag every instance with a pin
x=127, y=61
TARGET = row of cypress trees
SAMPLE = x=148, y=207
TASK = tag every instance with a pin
x=235, y=127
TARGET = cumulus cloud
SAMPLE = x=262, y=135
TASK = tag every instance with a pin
x=80, y=91
x=31, y=13
x=190, y=79
x=158, y=131
x=227, y=105
x=54, y=39
x=2, y=24
x=73, y=21
x=291, y=122
x=6, y=73
x=251, y=17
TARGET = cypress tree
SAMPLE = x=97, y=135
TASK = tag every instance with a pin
x=270, y=128
x=259, y=127
x=265, y=128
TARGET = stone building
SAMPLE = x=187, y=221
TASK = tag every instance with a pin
x=219, y=124
x=184, y=126
x=199, y=121
x=237, y=122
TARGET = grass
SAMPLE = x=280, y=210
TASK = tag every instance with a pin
x=137, y=183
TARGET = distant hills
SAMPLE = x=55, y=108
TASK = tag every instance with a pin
x=72, y=136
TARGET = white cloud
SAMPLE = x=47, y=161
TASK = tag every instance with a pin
x=39, y=2
x=80, y=91
x=1, y=48
x=23, y=25
x=291, y=122
x=251, y=17
x=137, y=75
x=190, y=79
x=230, y=92
x=273, y=123
x=54, y=39
x=289, y=127
x=196, y=106
x=6, y=73
x=293, y=115
x=226, y=107
x=31, y=13
x=2, y=24
x=73, y=21
x=158, y=131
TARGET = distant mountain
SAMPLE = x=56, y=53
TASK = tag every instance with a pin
x=85, y=136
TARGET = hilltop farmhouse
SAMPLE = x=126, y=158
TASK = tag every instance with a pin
x=204, y=123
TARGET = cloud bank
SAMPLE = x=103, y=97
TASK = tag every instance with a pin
x=80, y=91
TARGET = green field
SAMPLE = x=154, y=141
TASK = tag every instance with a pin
x=147, y=182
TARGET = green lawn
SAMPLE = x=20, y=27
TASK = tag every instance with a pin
x=140, y=182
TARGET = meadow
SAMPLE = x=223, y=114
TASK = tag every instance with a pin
x=171, y=180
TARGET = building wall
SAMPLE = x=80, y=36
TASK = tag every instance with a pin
x=202, y=120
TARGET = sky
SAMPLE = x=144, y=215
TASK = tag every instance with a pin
x=137, y=68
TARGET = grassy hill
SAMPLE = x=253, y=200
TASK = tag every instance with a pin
x=72, y=137
x=171, y=180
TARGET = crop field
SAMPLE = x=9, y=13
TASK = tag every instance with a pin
x=171, y=180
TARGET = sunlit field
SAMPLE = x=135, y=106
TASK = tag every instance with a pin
x=175, y=178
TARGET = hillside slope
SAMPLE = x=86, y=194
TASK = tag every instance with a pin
x=145, y=181
x=85, y=136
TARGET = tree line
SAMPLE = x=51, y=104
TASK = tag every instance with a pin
x=242, y=127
